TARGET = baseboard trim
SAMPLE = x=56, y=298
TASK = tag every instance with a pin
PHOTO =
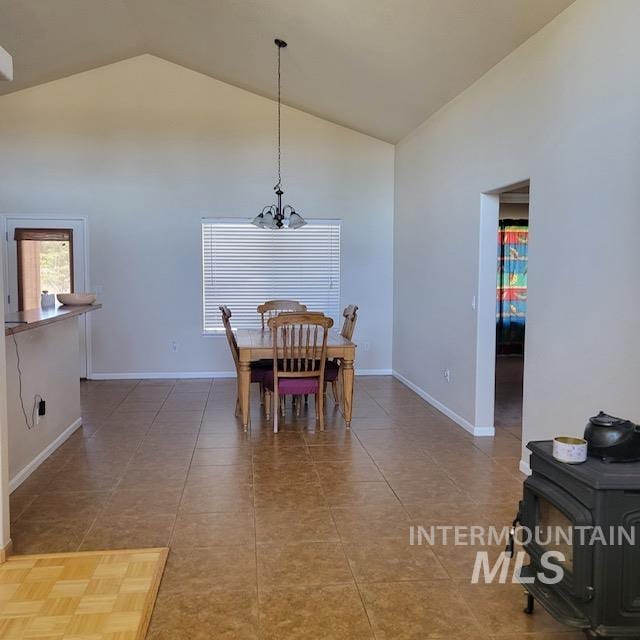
x=186, y=375
x=6, y=551
x=161, y=375
x=484, y=432
x=24, y=473
x=463, y=422
x=525, y=468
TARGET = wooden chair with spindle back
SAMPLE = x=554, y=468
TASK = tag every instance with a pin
x=258, y=369
x=297, y=400
x=350, y=318
x=272, y=308
x=332, y=372
x=299, y=358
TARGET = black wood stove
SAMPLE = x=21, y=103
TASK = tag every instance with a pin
x=599, y=503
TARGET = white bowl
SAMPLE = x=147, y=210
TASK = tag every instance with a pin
x=570, y=450
x=76, y=299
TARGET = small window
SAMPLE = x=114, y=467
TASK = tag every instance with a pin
x=242, y=266
x=45, y=263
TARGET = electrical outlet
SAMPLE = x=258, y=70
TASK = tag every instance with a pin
x=41, y=410
x=366, y=346
x=174, y=346
x=446, y=375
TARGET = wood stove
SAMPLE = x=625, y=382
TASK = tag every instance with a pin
x=599, y=503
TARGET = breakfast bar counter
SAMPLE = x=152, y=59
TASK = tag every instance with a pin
x=34, y=318
x=43, y=355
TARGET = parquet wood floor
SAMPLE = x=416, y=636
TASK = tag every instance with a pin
x=105, y=595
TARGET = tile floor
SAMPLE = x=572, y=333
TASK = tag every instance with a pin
x=302, y=534
x=508, y=400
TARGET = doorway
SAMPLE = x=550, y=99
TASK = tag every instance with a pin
x=46, y=254
x=498, y=407
x=511, y=308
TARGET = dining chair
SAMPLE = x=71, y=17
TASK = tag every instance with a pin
x=269, y=310
x=258, y=369
x=272, y=308
x=332, y=372
x=299, y=358
x=297, y=400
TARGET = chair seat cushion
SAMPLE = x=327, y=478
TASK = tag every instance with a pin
x=291, y=386
x=259, y=368
x=265, y=363
x=257, y=374
x=331, y=370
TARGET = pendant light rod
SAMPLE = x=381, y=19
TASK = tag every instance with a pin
x=275, y=216
x=281, y=44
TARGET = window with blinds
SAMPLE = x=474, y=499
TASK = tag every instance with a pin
x=45, y=263
x=243, y=266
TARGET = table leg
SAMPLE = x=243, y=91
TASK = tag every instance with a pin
x=347, y=390
x=244, y=385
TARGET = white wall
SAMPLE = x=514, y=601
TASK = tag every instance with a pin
x=512, y=211
x=562, y=110
x=5, y=518
x=6, y=73
x=145, y=148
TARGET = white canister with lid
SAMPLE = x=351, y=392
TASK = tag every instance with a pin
x=47, y=300
x=569, y=449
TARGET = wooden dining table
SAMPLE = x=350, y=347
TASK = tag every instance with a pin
x=257, y=344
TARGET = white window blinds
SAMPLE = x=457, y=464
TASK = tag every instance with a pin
x=242, y=266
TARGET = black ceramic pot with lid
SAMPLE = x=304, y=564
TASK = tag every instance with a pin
x=613, y=439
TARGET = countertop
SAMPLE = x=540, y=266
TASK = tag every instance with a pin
x=34, y=318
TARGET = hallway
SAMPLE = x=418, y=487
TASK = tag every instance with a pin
x=508, y=404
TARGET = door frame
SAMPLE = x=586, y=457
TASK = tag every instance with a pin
x=84, y=223
x=486, y=313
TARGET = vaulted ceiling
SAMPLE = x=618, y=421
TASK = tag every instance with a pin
x=377, y=66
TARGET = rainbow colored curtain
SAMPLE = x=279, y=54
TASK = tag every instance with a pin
x=513, y=244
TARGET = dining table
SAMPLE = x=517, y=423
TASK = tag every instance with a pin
x=257, y=344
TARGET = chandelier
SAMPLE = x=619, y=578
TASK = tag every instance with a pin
x=275, y=216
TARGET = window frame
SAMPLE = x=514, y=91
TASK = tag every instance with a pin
x=48, y=234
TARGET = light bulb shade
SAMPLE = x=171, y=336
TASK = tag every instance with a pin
x=268, y=220
x=258, y=221
x=296, y=220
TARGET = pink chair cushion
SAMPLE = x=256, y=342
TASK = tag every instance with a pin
x=291, y=386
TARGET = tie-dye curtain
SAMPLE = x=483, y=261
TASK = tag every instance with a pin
x=513, y=243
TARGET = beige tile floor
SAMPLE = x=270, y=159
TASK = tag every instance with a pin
x=301, y=534
x=508, y=398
